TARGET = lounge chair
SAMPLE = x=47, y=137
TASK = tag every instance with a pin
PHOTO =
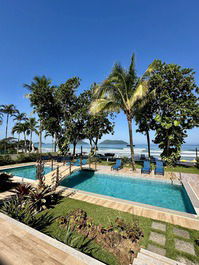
x=146, y=167
x=118, y=165
x=159, y=168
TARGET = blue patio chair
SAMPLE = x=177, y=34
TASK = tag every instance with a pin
x=146, y=167
x=118, y=165
x=159, y=168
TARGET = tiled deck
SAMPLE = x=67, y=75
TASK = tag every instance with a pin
x=20, y=244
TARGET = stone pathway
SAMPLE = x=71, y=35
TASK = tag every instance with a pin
x=182, y=242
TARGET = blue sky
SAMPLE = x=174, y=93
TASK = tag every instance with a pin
x=62, y=39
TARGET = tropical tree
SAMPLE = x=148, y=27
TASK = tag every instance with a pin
x=122, y=90
x=40, y=98
x=32, y=126
x=9, y=110
x=175, y=107
x=20, y=116
x=18, y=128
x=26, y=131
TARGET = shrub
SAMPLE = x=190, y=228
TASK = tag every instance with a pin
x=6, y=182
x=22, y=191
x=197, y=162
x=5, y=160
x=23, y=213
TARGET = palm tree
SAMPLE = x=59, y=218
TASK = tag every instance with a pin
x=122, y=90
x=36, y=86
x=32, y=124
x=19, y=117
x=9, y=110
x=18, y=128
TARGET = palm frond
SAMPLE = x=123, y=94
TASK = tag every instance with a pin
x=102, y=104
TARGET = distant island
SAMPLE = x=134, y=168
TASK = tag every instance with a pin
x=111, y=142
x=82, y=142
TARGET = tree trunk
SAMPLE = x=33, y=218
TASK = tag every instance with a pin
x=74, y=148
x=18, y=143
x=91, y=146
x=5, y=146
x=131, y=143
x=30, y=144
x=148, y=143
x=25, y=142
x=40, y=139
x=7, y=125
x=55, y=144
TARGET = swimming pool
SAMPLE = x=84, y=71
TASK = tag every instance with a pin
x=28, y=172
x=156, y=193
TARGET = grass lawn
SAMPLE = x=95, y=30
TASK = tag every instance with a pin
x=104, y=216
x=182, y=169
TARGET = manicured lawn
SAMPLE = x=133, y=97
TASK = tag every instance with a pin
x=104, y=216
x=182, y=169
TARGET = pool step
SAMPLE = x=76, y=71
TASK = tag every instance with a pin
x=146, y=257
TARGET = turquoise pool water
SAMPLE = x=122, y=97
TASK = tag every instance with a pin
x=155, y=193
x=28, y=172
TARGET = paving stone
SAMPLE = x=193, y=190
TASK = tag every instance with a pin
x=181, y=232
x=186, y=261
x=184, y=246
x=157, y=238
x=159, y=226
x=157, y=250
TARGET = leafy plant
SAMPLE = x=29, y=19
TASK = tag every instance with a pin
x=81, y=242
x=42, y=198
x=22, y=191
x=6, y=182
x=25, y=214
x=197, y=162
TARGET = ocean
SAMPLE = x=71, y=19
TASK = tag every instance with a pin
x=122, y=150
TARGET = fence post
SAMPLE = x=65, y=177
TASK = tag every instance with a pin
x=52, y=164
x=81, y=163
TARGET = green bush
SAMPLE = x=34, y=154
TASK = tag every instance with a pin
x=6, y=182
x=5, y=160
x=197, y=162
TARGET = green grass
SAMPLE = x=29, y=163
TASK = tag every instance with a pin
x=104, y=216
x=182, y=169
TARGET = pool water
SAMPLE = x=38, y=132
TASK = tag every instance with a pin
x=156, y=193
x=28, y=172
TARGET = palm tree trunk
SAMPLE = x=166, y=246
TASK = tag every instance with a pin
x=131, y=143
x=5, y=146
x=40, y=139
x=18, y=143
x=7, y=125
x=148, y=143
x=25, y=142
x=30, y=144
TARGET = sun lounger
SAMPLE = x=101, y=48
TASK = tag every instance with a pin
x=146, y=167
x=159, y=168
x=118, y=165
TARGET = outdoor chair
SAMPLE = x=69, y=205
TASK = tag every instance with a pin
x=118, y=165
x=146, y=167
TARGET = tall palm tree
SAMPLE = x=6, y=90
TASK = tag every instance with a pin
x=9, y=110
x=35, y=87
x=32, y=124
x=18, y=128
x=25, y=130
x=19, y=117
x=122, y=90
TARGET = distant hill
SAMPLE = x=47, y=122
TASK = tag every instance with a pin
x=113, y=142
x=82, y=142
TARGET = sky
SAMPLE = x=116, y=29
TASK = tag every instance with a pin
x=62, y=39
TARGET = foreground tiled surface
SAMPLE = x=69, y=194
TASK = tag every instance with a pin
x=18, y=246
